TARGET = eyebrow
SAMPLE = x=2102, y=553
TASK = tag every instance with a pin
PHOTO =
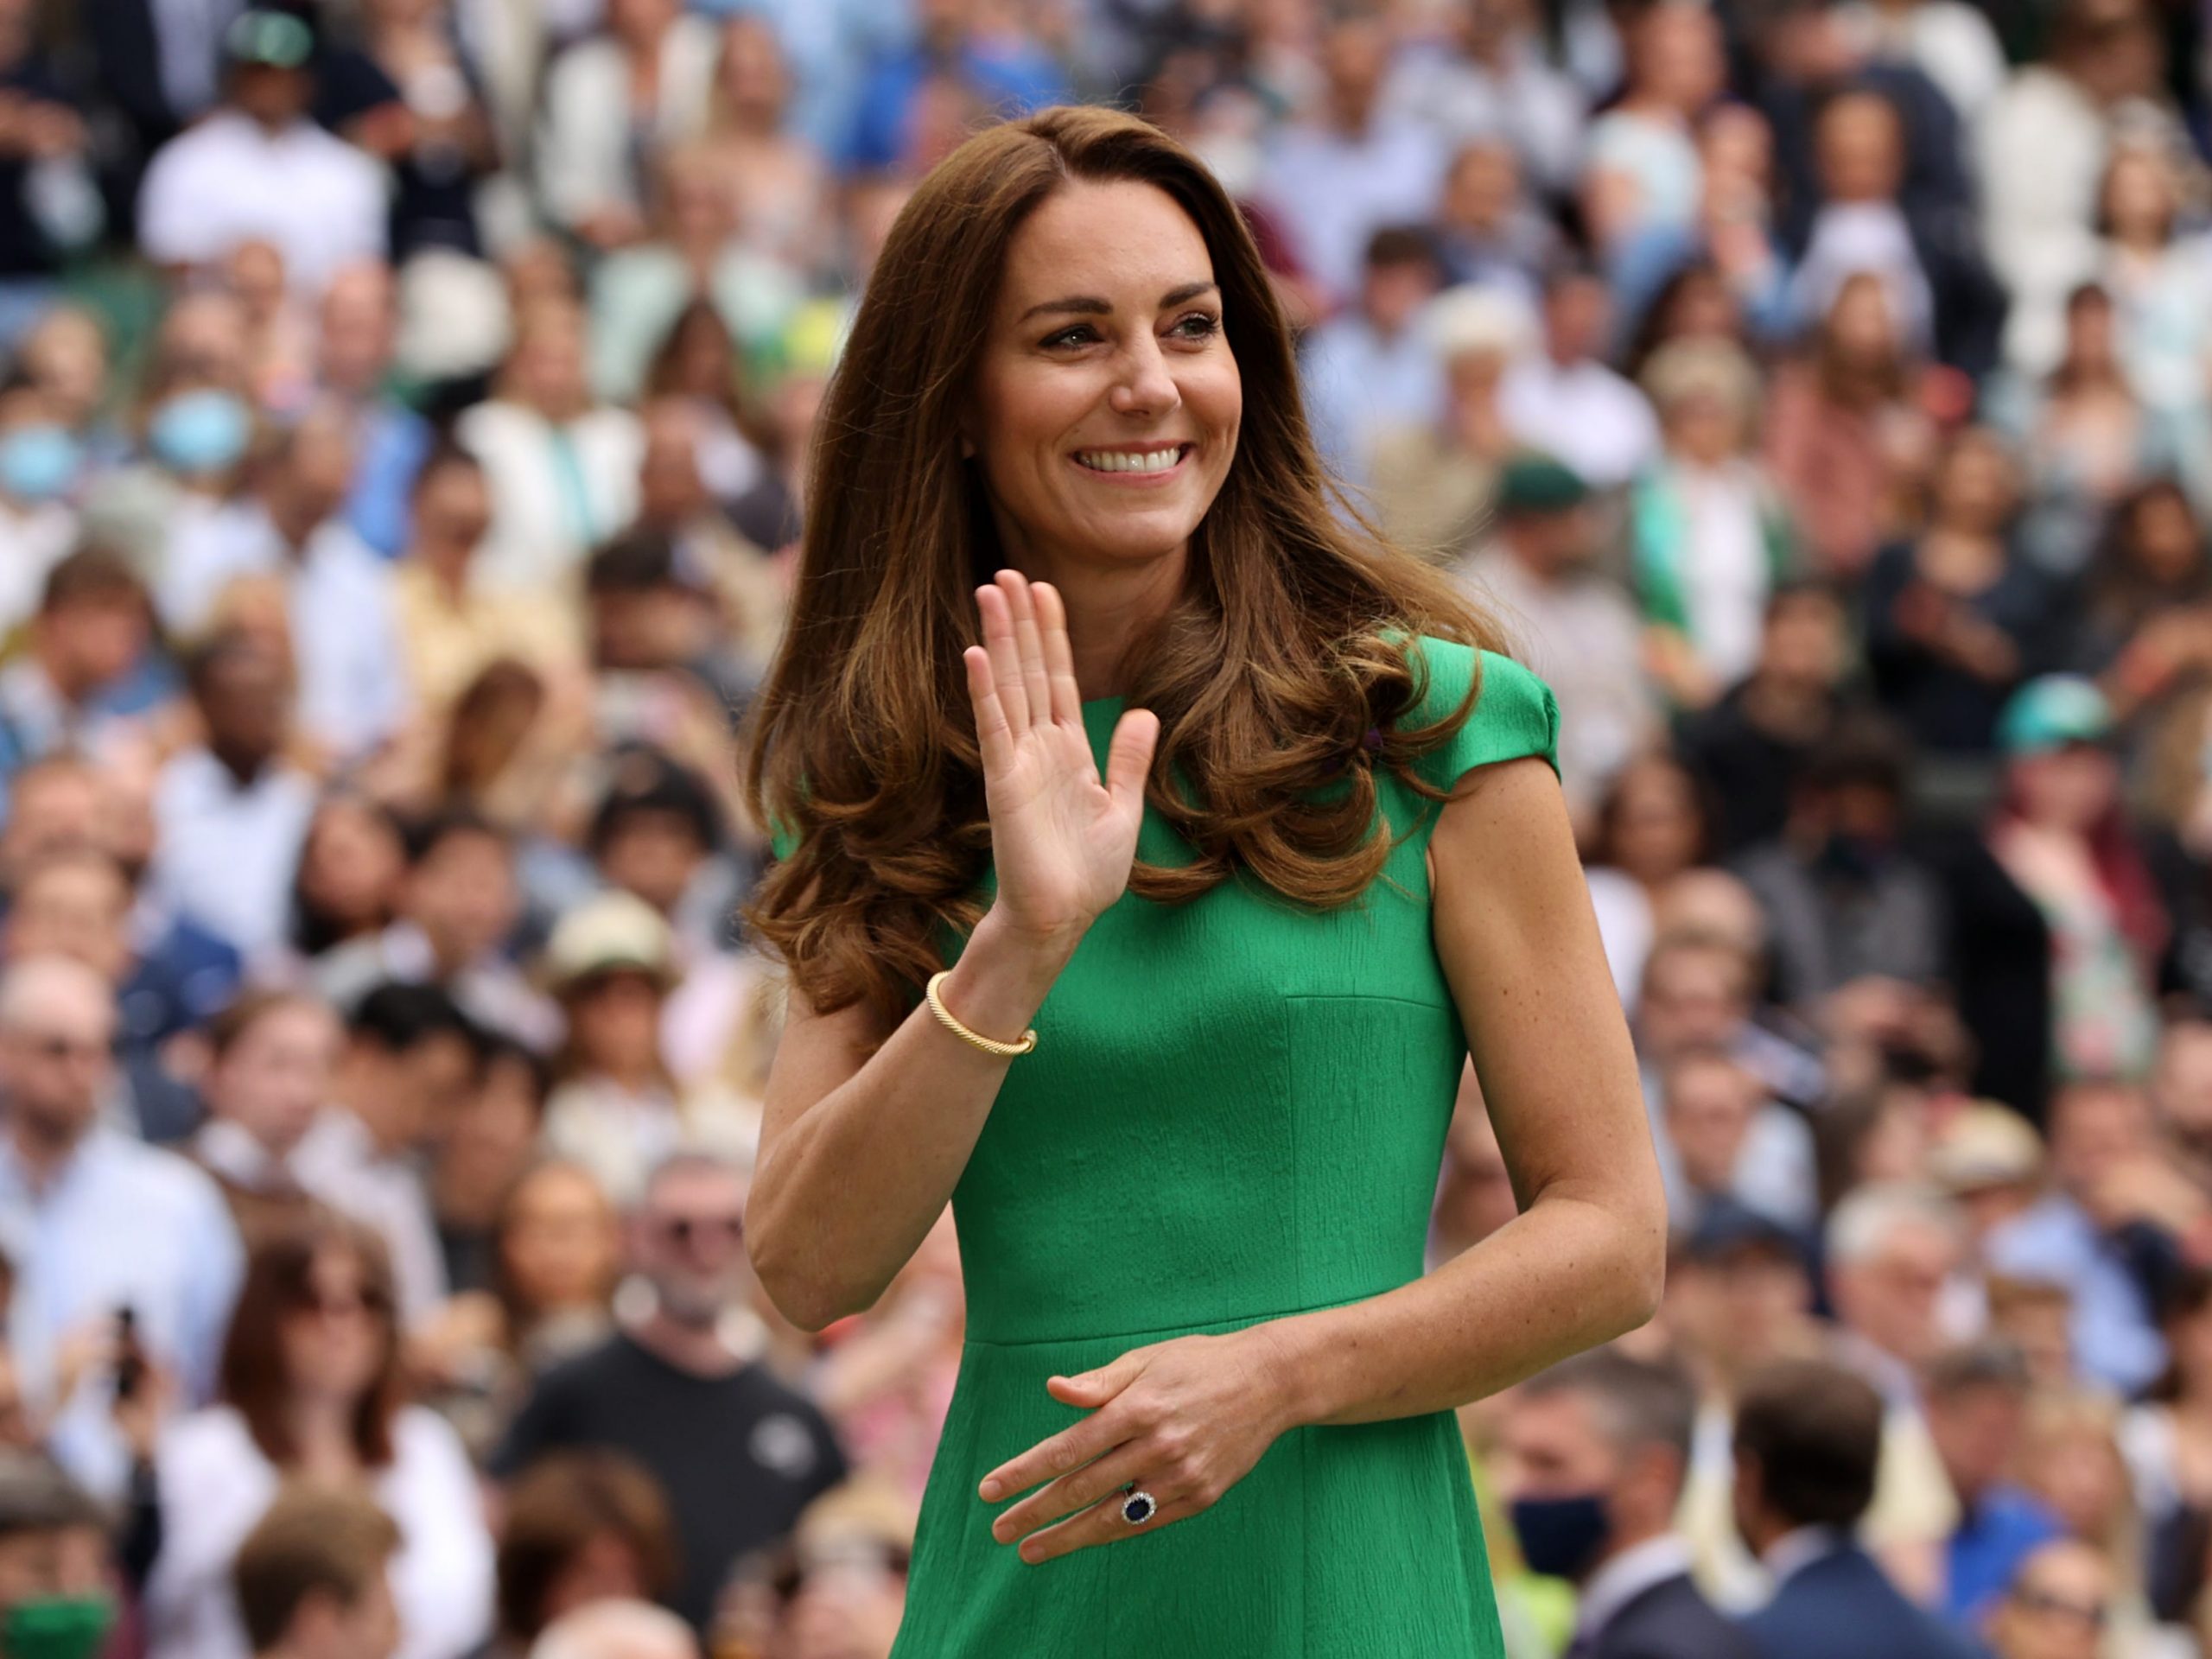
x=1089, y=306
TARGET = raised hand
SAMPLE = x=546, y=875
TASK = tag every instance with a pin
x=1062, y=839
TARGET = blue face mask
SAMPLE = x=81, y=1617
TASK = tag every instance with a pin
x=38, y=463
x=1560, y=1536
x=200, y=431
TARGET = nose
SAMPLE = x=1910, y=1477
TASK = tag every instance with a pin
x=1144, y=387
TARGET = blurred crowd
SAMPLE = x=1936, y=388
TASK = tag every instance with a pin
x=404, y=413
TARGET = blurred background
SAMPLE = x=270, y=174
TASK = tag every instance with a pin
x=404, y=414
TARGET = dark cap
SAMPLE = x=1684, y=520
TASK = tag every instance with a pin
x=1727, y=1227
x=269, y=40
x=35, y=1496
x=1532, y=484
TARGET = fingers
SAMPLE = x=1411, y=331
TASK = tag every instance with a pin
x=1006, y=654
x=1068, y=1450
x=991, y=733
x=1036, y=689
x=1070, y=1493
x=1129, y=758
x=1104, y=1522
x=1059, y=656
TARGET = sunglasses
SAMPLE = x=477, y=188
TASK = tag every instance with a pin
x=682, y=1229
x=2092, y=1613
x=368, y=1301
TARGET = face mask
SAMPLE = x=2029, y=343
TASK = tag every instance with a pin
x=37, y=463
x=57, y=1627
x=1859, y=856
x=1560, y=1536
x=200, y=431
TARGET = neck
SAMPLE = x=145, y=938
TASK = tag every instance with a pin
x=1109, y=606
x=43, y=1149
x=322, y=1430
x=1620, y=1542
x=245, y=765
x=692, y=1348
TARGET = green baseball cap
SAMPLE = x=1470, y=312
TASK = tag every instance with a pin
x=2051, y=711
x=1538, y=483
x=269, y=40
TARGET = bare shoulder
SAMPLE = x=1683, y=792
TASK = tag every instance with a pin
x=1504, y=819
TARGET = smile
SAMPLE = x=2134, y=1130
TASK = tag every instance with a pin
x=1143, y=462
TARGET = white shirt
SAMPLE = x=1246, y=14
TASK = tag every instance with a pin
x=1625, y=1577
x=1585, y=414
x=557, y=492
x=228, y=851
x=215, y=1484
x=352, y=674
x=33, y=540
x=118, y=1224
x=229, y=179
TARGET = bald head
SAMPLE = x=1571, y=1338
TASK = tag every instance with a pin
x=57, y=1037
x=617, y=1629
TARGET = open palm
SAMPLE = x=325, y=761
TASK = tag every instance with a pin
x=1062, y=839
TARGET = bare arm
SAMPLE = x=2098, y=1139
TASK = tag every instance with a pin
x=859, y=1152
x=1583, y=1261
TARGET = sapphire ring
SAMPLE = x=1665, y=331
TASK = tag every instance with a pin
x=1138, y=1507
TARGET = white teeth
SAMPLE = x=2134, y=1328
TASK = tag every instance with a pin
x=1119, y=461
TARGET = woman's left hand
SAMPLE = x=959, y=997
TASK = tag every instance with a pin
x=1186, y=1419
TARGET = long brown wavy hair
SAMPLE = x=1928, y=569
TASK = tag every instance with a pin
x=1282, y=663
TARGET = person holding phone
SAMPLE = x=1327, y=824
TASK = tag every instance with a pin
x=1153, y=851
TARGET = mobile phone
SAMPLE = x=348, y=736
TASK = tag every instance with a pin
x=130, y=1357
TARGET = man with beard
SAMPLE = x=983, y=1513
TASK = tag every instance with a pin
x=739, y=1453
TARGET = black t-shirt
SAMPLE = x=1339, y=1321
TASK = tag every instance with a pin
x=739, y=1456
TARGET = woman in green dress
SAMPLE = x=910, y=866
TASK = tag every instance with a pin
x=1094, y=719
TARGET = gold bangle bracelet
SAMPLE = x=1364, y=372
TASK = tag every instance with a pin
x=944, y=1017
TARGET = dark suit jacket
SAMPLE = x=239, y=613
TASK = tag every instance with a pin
x=1671, y=1620
x=1842, y=1608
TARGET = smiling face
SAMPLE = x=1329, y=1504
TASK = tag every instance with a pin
x=1106, y=403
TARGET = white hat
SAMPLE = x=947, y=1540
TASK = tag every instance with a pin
x=1463, y=321
x=616, y=929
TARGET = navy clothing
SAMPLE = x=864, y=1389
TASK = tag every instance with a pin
x=1841, y=1607
x=1671, y=1620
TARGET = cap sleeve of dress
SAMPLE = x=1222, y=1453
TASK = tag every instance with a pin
x=1515, y=714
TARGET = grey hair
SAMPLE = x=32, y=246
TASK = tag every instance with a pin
x=616, y=1629
x=1870, y=1216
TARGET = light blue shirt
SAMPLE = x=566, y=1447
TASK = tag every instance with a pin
x=2115, y=1339
x=120, y=1224
x=1359, y=382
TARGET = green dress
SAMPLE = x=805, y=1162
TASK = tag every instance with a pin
x=1235, y=1112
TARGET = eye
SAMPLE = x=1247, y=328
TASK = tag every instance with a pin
x=1081, y=334
x=1200, y=325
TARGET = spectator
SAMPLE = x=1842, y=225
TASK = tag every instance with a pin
x=563, y=467
x=452, y=627
x=778, y=180
x=1845, y=900
x=617, y=1629
x=1892, y=1250
x=1579, y=629
x=582, y=1529
x=1370, y=367
x=1748, y=749
x=1352, y=165
x=2162, y=1440
x=1977, y=1402
x=347, y=884
x=311, y=1578
x=1565, y=399
x=1807, y=1437
x=1434, y=483
x=2058, y=1607
x=840, y=1582
x=352, y=689
x=458, y=905
x=232, y=812
x=738, y=1452
x=96, y=1223
x=1845, y=435
x=258, y=168
x=647, y=77
x=1595, y=1452
x=1958, y=617
x=356, y=332
x=2060, y=836
x=2104, y=1230
x=1642, y=172
x=1653, y=827
x=41, y=463
x=1709, y=538
x=311, y=1386
x=57, y=1589
x=90, y=680
x=958, y=59
x=484, y=1154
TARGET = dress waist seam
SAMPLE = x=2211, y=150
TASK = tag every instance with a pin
x=1194, y=1326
